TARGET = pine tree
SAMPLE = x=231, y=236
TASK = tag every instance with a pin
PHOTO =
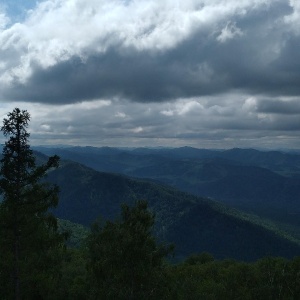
x=29, y=239
x=126, y=262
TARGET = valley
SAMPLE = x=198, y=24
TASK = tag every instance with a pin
x=203, y=200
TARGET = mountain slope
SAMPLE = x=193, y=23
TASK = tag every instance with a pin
x=194, y=224
x=247, y=179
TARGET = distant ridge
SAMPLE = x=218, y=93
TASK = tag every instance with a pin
x=194, y=224
x=262, y=182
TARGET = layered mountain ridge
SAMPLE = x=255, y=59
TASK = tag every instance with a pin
x=194, y=224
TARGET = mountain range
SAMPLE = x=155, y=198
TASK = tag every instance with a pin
x=265, y=183
x=193, y=223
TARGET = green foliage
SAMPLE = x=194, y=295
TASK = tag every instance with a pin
x=77, y=232
x=30, y=246
x=270, y=278
x=74, y=279
x=125, y=260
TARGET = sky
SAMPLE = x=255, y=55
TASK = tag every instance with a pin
x=200, y=73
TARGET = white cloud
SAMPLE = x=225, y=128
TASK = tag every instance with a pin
x=250, y=105
x=186, y=107
x=120, y=115
x=168, y=112
x=56, y=30
x=229, y=32
x=107, y=58
x=46, y=127
x=183, y=107
x=137, y=129
x=203, y=122
x=91, y=105
x=294, y=19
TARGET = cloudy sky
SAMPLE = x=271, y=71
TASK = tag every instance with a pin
x=202, y=73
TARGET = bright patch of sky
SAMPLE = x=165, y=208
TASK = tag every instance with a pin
x=17, y=10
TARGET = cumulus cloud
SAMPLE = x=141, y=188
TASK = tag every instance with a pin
x=225, y=73
x=200, y=122
x=145, y=51
x=183, y=107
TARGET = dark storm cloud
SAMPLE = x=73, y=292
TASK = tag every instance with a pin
x=291, y=107
x=254, y=52
x=137, y=76
x=261, y=59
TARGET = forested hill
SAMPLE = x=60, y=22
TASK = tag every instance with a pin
x=266, y=183
x=192, y=223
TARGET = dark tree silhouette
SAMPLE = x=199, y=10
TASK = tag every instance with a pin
x=27, y=230
x=126, y=262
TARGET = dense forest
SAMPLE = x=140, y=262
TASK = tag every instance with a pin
x=130, y=256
